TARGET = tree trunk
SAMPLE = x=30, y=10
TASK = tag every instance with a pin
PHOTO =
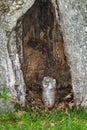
x=11, y=55
x=38, y=31
x=73, y=20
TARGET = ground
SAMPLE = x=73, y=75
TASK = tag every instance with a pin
x=35, y=119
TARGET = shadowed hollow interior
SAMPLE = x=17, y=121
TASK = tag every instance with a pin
x=43, y=53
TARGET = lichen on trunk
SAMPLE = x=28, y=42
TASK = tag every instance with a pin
x=74, y=27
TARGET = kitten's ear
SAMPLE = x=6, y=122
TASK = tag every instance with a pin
x=44, y=78
x=43, y=81
x=54, y=80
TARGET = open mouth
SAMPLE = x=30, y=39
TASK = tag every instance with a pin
x=46, y=85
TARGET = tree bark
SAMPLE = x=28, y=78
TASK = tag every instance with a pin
x=11, y=76
x=73, y=20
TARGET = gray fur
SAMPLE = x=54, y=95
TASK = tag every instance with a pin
x=49, y=91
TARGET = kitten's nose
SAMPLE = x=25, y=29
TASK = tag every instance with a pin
x=47, y=82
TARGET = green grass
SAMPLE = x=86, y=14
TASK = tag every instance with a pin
x=44, y=120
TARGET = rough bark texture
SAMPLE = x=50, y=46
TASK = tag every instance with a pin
x=11, y=54
x=73, y=20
